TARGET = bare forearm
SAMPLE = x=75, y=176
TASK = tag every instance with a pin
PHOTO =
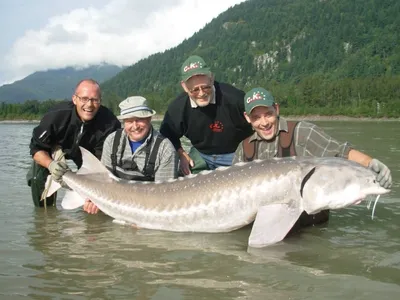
x=359, y=157
x=42, y=158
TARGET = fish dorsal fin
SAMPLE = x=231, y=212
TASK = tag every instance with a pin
x=272, y=224
x=91, y=165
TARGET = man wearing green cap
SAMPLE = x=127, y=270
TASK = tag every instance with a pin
x=209, y=114
x=276, y=137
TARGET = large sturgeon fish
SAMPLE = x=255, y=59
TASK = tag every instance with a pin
x=272, y=193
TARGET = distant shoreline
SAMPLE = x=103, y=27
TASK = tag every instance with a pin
x=289, y=117
x=338, y=118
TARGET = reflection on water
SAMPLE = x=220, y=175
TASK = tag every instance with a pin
x=57, y=254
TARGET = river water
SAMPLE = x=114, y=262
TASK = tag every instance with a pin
x=56, y=254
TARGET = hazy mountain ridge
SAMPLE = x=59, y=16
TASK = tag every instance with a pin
x=53, y=84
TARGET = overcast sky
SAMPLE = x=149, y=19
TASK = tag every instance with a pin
x=46, y=34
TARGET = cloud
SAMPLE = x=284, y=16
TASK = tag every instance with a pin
x=121, y=32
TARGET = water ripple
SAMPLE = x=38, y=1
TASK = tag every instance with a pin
x=57, y=254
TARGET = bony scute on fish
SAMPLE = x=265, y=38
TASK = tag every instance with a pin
x=273, y=193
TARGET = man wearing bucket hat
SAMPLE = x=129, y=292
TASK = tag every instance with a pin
x=209, y=114
x=274, y=136
x=138, y=152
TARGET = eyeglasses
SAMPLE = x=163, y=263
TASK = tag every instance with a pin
x=85, y=100
x=204, y=89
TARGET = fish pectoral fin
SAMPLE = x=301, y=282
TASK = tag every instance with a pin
x=272, y=224
x=72, y=200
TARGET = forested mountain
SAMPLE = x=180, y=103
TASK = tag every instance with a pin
x=53, y=84
x=316, y=56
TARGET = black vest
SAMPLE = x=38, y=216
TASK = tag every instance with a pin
x=149, y=164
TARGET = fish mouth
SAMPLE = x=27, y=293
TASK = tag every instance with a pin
x=381, y=191
x=375, y=192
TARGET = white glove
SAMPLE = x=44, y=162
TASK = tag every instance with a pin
x=383, y=175
x=57, y=170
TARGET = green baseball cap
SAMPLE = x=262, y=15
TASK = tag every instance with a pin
x=257, y=97
x=194, y=65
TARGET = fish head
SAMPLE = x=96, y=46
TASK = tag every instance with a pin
x=336, y=184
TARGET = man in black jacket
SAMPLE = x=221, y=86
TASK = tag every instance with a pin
x=209, y=114
x=82, y=122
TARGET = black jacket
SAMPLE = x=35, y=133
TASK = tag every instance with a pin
x=62, y=126
x=214, y=129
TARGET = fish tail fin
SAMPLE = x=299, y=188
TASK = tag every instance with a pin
x=50, y=187
x=91, y=164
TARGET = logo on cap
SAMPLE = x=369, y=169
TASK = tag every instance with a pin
x=256, y=96
x=193, y=65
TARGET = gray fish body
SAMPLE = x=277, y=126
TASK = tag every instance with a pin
x=218, y=201
x=273, y=193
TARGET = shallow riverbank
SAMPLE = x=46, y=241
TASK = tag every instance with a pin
x=319, y=118
x=290, y=117
x=19, y=121
x=337, y=118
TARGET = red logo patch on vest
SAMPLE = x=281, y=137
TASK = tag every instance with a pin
x=217, y=126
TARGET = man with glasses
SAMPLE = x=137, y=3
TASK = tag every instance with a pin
x=70, y=124
x=209, y=114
